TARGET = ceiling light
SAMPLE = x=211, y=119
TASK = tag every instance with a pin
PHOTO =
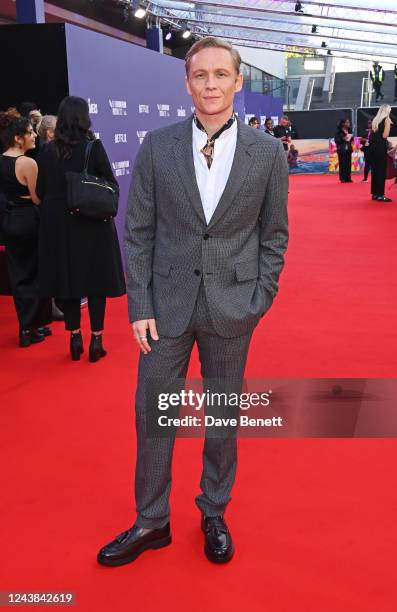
x=187, y=33
x=313, y=65
x=140, y=12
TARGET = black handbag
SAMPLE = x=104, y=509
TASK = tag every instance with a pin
x=89, y=195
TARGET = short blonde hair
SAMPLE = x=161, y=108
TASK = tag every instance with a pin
x=212, y=42
x=48, y=122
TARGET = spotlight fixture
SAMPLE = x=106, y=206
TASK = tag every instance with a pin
x=324, y=45
x=167, y=30
x=187, y=33
x=140, y=12
x=314, y=29
x=329, y=52
x=298, y=7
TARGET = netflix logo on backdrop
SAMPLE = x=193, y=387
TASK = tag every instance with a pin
x=120, y=138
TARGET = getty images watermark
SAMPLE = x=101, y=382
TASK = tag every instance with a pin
x=215, y=400
x=270, y=408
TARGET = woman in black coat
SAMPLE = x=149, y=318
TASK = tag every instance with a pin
x=343, y=143
x=78, y=256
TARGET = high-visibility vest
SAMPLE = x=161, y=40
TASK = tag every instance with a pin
x=395, y=72
x=380, y=75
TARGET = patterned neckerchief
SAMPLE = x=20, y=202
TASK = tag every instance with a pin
x=208, y=149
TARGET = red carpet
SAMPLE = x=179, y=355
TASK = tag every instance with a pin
x=313, y=520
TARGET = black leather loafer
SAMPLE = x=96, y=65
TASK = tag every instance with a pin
x=130, y=544
x=27, y=337
x=219, y=546
x=45, y=331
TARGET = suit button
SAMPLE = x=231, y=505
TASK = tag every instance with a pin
x=206, y=236
x=197, y=272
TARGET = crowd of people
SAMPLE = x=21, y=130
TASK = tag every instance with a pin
x=283, y=131
x=376, y=148
x=51, y=252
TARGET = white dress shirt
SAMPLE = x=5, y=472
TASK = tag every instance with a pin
x=212, y=181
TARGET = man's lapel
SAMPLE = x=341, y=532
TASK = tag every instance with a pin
x=241, y=164
x=183, y=152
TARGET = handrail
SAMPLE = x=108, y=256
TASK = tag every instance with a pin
x=366, y=92
x=362, y=91
x=311, y=87
x=332, y=84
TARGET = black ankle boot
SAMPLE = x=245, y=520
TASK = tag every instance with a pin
x=76, y=346
x=96, y=349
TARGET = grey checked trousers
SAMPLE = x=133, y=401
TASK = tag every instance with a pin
x=220, y=358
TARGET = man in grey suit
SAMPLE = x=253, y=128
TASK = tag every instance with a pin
x=206, y=232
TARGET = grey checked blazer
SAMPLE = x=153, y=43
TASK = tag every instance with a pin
x=170, y=248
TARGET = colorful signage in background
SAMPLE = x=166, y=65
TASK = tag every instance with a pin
x=309, y=156
x=357, y=156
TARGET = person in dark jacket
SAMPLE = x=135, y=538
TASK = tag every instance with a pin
x=343, y=141
x=377, y=78
x=78, y=256
x=365, y=149
x=283, y=132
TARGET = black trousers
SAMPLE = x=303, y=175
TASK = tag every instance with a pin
x=32, y=311
x=96, y=309
x=345, y=165
x=378, y=88
x=395, y=89
x=378, y=172
x=367, y=160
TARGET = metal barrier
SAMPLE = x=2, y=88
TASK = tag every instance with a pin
x=366, y=92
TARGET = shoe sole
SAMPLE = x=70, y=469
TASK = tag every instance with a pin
x=21, y=345
x=216, y=559
x=95, y=358
x=151, y=545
